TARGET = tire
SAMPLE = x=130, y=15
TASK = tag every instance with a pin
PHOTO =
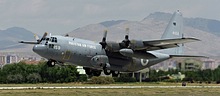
x=51, y=63
x=107, y=72
x=88, y=71
x=115, y=73
x=96, y=72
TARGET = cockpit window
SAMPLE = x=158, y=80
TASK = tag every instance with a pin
x=53, y=39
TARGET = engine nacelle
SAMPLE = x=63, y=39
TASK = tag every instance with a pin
x=113, y=46
x=136, y=44
x=137, y=54
x=100, y=61
x=127, y=52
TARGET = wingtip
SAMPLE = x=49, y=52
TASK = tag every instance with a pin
x=196, y=39
x=192, y=39
x=20, y=41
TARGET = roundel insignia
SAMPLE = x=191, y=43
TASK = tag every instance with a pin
x=144, y=62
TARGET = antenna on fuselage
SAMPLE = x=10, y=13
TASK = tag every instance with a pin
x=67, y=35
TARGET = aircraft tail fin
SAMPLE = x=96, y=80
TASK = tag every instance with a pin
x=174, y=28
x=172, y=31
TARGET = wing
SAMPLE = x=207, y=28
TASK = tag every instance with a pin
x=28, y=42
x=164, y=44
x=190, y=56
x=37, y=39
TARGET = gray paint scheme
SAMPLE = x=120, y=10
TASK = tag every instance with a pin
x=115, y=57
x=174, y=30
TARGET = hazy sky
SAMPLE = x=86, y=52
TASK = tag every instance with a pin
x=62, y=16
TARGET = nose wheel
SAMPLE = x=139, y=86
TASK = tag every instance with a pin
x=51, y=63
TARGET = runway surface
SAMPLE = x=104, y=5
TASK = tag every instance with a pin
x=105, y=87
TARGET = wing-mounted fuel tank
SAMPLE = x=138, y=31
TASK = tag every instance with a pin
x=100, y=61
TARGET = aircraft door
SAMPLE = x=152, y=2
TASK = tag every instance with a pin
x=67, y=55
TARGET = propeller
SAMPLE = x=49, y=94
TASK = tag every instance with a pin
x=103, y=43
x=39, y=40
x=182, y=37
x=126, y=41
x=36, y=37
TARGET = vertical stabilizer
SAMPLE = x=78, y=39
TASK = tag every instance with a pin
x=174, y=30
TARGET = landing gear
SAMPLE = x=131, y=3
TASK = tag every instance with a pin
x=115, y=73
x=51, y=63
x=107, y=72
x=93, y=72
x=96, y=72
x=88, y=71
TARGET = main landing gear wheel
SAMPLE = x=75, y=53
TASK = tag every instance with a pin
x=92, y=72
x=96, y=72
x=107, y=72
x=51, y=63
x=115, y=73
x=88, y=71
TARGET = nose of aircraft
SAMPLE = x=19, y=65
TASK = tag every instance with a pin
x=40, y=49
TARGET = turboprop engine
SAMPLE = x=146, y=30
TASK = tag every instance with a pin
x=100, y=61
x=138, y=54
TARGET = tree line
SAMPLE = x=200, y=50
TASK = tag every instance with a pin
x=39, y=73
x=206, y=75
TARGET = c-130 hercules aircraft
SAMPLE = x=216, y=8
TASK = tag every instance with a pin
x=113, y=57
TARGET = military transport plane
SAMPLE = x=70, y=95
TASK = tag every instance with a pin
x=113, y=57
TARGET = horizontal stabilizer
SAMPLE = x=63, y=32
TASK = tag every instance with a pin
x=170, y=41
x=190, y=56
x=166, y=43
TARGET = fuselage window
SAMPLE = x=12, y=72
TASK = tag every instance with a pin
x=55, y=39
x=51, y=45
x=47, y=39
x=52, y=39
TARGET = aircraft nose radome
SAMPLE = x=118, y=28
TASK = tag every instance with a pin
x=39, y=49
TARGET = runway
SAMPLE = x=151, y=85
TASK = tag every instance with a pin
x=104, y=87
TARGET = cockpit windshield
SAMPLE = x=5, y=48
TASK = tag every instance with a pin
x=53, y=39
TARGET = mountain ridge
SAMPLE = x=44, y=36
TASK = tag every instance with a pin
x=152, y=27
x=149, y=28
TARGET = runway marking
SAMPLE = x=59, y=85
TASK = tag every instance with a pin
x=105, y=87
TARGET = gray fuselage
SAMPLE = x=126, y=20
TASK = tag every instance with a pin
x=80, y=52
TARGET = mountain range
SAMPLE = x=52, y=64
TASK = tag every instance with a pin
x=9, y=39
x=149, y=28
